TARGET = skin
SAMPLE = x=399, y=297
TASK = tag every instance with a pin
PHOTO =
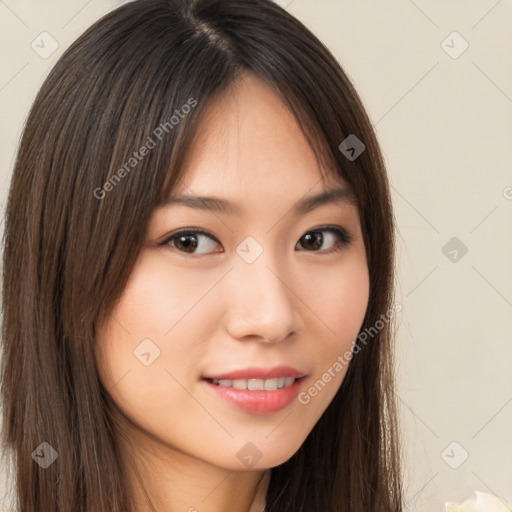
x=211, y=312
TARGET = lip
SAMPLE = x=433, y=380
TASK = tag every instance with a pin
x=259, y=372
x=256, y=402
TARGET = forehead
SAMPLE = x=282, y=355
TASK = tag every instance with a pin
x=249, y=143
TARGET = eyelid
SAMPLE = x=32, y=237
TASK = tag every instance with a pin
x=186, y=231
x=343, y=234
x=199, y=231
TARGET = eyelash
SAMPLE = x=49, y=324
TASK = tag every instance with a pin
x=343, y=236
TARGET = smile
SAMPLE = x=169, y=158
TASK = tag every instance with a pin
x=256, y=396
x=255, y=384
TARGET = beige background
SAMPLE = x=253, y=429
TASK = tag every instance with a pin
x=445, y=125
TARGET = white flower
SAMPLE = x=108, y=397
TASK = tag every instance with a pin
x=483, y=503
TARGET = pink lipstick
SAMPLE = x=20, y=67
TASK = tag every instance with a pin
x=257, y=390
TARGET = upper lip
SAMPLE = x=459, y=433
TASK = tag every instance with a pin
x=259, y=373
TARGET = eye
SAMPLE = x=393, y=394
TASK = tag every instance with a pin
x=315, y=239
x=188, y=240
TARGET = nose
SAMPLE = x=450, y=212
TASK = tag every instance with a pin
x=260, y=302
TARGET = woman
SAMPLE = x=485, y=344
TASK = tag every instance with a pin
x=198, y=274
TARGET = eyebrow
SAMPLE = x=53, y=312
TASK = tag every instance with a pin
x=219, y=205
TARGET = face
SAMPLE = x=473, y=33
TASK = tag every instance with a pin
x=261, y=287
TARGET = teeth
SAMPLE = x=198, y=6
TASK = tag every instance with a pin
x=256, y=384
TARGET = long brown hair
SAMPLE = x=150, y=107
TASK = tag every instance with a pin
x=75, y=223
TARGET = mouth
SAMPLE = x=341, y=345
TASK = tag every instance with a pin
x=255, y=384
x=255, y=395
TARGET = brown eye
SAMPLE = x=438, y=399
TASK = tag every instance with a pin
x=194, y=241
x=314, y=239
x=187, y=241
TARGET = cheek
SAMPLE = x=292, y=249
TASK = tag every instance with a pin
x=154, y=309
x=159, y=297
x=339, y=299
x=152, y=317
x=338, y=303
x=165, y=310
x=169, y=305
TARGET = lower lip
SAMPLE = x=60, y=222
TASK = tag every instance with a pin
x=257, y=402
